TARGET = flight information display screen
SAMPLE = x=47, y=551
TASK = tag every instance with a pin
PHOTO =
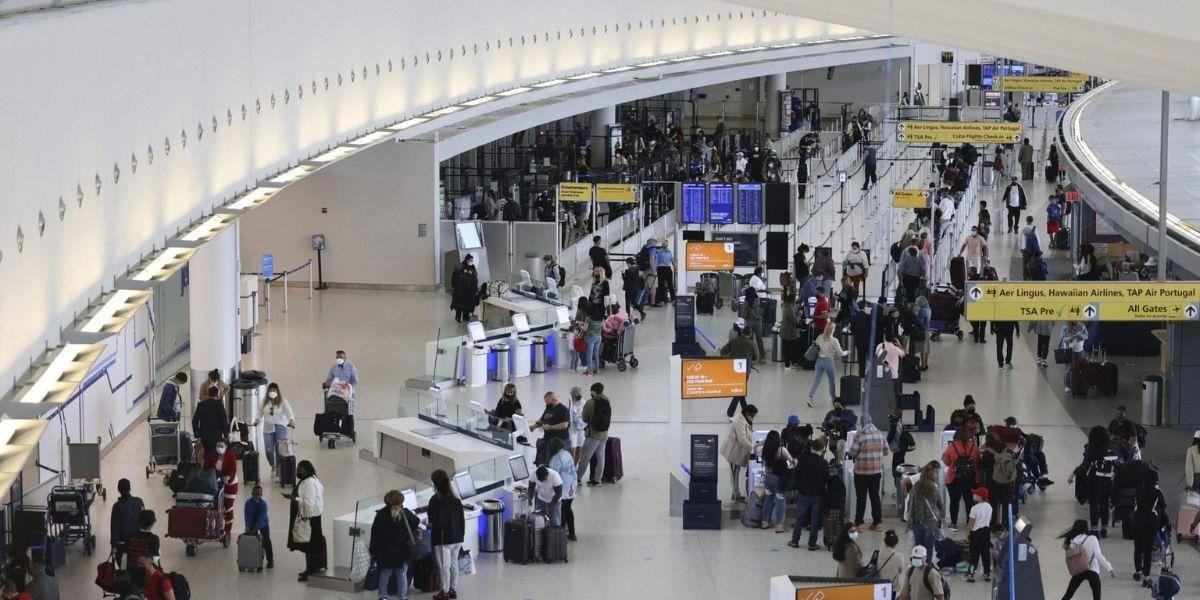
x=750, y=203
x=693, y=209
x=720, y=203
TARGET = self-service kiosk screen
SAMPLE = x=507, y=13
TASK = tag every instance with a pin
x=520, y=322
x=465, y=484
x=475, y=331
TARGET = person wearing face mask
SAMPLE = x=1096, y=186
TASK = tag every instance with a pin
x=967, y=417
x=921, y=581
x=389, y=543
x=214, y=380
x=464, y=290
x=578, y=425
x=275, y=413
x=846, y=552
x=507, y=406
x=342, y=377
x=308, y=504
x=225, y=463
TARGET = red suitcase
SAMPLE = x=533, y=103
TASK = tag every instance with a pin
x=958, y=272
x=189, y=523
x=613, y=470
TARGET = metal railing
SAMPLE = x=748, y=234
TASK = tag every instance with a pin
x=286, y=277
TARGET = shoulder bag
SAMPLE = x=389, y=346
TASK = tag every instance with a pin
x=301, y=530
x=419, y=545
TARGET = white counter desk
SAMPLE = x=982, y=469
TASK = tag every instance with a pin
x=402, y=445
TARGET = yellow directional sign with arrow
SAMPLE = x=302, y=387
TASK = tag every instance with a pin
x=958, y=132
x=1082, y=301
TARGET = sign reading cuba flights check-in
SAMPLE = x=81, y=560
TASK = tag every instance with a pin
x=958, y=132
x=1083, y=301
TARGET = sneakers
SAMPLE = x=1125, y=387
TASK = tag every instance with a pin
x=792, y=544
x=810, y=399
x=970, y=578
x=987, y=576
x=452, y=594
x=813, y=547
x=952, y=527
x=441, y=596
x=1009, y=365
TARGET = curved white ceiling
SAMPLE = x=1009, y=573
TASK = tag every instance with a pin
x=1155, y=43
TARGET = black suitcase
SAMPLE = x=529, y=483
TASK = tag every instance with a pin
x=851, y=390
x=337, y=405
x=554, y=544
x=769, y=312
x=250, y=466
x=424, y=574
x=910, y=369
x=518, y=541
x=706, y=303
x=927, y=424
x=287, y=470
x=1106, y=378
x=958, y=272
x=1051, y=174
x=185, y=446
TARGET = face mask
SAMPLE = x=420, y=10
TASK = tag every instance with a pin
x=916, y=562
x=272, y=394
x=341, y=361
x=853, y=535
x=220, y=449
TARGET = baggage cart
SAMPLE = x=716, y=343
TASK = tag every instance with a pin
x=625, y=348
x=197, y=518
x=164, y=446
x=337, y=422
x=68, y=515
x=84, y=462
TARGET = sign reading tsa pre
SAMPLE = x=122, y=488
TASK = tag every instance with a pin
x=910, y=198
x=616, y=192
x=574, y=192
x=709, y=256
x=958, y=132
x=267, y=266
x=713, y=377
x=1083, y=301
x=1043, y=83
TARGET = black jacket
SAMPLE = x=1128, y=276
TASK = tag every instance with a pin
x=389, y=539
x=860, y=328
x=446, y=520
x=1122, y=428
x=810, y=474
x=465, y=294
x=210, y=421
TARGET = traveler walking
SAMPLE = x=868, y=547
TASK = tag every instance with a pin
x=593, y=334
x=209, y=419
x=869, y=165
x=998, y=165
x=791, y=324
x=777, y=462
x=1084, y=559
x=738, y=445
x=979, y=534
x=740, y=347
x=634, y=287
x=391, y=532
x=1025, y=157
x=308, y=504
x=912, y=272
x=597, y=414
x=225, y=463
x=828, y=349
x=563, y=464
x=1074, y=334
x=961, y=458
x=1093, y=478
x=464, y=290
x=809, y=477
x=1191, y=461
x=976, y=249
x=599, y=256
x=142, y=544
x=258, y=522
x=754, y=313
x=341, y=379
x=856, y=265
x=1014, y=202
x=1043, y=330
x=447, y=527
x=860, y=330
x=1149, y=518
x=170, y=400
x=867, y=451
x=1004, y=331
x=275, y=414
x=919, y=334
x=124, y=517
x=1030, y=244
x=921, y=581
x=846, y=552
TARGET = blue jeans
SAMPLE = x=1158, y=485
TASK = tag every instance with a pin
x=385, y=576
x=922, y=536
x=811, y=505
x=554, y=509
x=271, y=439
x=593, y=352
x=826, y=366
x=776, y=500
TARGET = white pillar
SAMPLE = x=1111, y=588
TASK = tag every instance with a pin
x=774, y=84
x=213, y=308
x=1193, y=113
x=598, y=122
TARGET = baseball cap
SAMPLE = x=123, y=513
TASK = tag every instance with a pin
x=795, y=420
x=920, y=552
x=981, y=492
x=1196, y=436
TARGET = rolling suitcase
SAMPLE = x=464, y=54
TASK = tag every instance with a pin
x=1189, y=505
x=1079, y=379
x=554, y=544
x=958, y=272
x=186, y=444
x=250, y=553
x=910, y=369
x=613, y=469
x=287, y=470
x=832, y=527
x=850, y=389
x=518, y=541
x=1051, y=174
x=424, y=573
x=327, y=423
x=250, y=466
x=706, y=303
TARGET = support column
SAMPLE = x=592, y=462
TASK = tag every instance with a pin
x=1193, y=113
x=1165, y=128
x=598, y=122
x=773, y=85
x=213, y=308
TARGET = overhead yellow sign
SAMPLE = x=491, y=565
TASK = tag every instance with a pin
x=957, y=132
x=1079, y=301
x=910, y=198
x=574, y=192
x=1043, y=83
x=616, y=192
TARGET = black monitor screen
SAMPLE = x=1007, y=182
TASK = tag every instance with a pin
x=777, y=200
x=750, y=203
x=694, y=209
x=720, y=203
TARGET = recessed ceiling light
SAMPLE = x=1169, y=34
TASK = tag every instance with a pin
x=443, y=112
x=721, y=53
x=684, y=58
x=367, y=140
x=479, y=100
x=584, y=76
x=618, y=69
x=552, y=82
x=335, y=154
x=402, y=125
x=513, y=92
x=653, y=63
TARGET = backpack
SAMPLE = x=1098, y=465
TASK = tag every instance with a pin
x=167, y=402
x=1167, y=586
x=1101, y=467
x=601, y=415
x=643, y=258
x=896, y=251
x=925, y=579
x=1031, y=242
x=964, y=467
x=1005, y=469
x=871, y=569
x=179, y=584
x=1054, y=211
x=1077, y=560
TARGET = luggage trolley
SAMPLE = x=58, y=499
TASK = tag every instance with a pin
x=68, y=515
x=337, y=422
x=164, y=446
x=84, y=461
x=197, y=518
x=625, y=348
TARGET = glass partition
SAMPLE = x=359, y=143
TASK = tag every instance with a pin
x=469, y=419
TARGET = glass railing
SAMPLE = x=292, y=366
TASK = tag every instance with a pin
x=469, y=419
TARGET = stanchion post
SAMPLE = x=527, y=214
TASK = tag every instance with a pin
x=285, y=292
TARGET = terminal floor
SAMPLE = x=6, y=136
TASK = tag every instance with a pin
x=628, y=547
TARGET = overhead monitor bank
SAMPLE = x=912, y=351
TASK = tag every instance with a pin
x=740, y=203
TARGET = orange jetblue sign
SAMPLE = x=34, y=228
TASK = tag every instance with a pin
x=709, y=256
x=713, y=378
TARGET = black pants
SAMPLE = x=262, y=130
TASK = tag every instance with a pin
x=898, y=388
x=568, y=515
x=911, y=283
x=1027, y=171
x=1143, y=551
x=791, y=351
x=1043, y=346
x=666, y=284
x=631, y=303
x=1090, y=576
x=1004, y=345
x=979, y=331
x=862, y=360
x=980, y=542
x=867, y=486
x=268, y=550
x=1014, y=218
x=462, y=315
x=868, y=176
x=960, y=491
x=1098, y=507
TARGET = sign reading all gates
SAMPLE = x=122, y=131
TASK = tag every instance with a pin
x=1083, y=301
x=957, y=132
x=713, y=378
x=1043, y=83
x=574, y=192
x=910, y=198
x=709, y=256
x=616, y=192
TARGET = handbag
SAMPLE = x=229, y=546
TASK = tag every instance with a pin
x=1063, y=356
x=301, y=530
x=871, y=569
x=371, y=579
x=419, y=545
x=812, y=353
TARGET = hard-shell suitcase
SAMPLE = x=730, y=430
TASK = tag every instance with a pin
x=706, y=303
x=1061, y=240
x=250, y=466
x=910, y=369
x=850, y=390
x=752, y=513
x=770, y=311
x=287, y=470
x=554, y=544
x=1079, y=380
x=1051, y=174
x=958, y=272
x=832, y=527
x=613, y=468
x=192, y=523
x=424, y=573
x=250, y=553
x=518, y=541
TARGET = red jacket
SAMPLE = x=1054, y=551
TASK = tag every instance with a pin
x=227, y=469
x=956, y=449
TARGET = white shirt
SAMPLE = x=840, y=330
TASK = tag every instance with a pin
x=276, y=415
x=947, y=206
x=545, y=489
x=1014, y=196
x=577, y=424
x=757, y=283
x=1091, y=548
x=982, y=513
x=311, y=495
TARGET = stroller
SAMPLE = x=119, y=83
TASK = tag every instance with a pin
x=945, y=302
x=68, y=515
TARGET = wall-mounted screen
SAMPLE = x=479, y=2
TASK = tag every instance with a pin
x=519, y=467
x=465, y=484
x=720, y=203
x=693, y=208
x=470, y=235
x=750, y=203
x=745, y=247
x=777, y=203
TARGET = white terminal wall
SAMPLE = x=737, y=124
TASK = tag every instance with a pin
x=100, y=86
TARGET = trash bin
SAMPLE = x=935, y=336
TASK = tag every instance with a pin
x=562, y=349
x=539, y=354
x=776, y=345
x=499, y=370
x=533, y=264
x=243, y=399
x=492, y=538
x=1152, y=399
x=522, y=357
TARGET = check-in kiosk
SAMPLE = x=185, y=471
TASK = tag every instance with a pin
x=1022, y=576
x=476, y=369
x=522, y=354
x=562, y=346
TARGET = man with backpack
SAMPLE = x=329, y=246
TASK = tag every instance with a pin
x=645, y=263
x=962, y=472
x=597, y=413
x=1030, y=243
x=170, y=401
x=921, y=581
x=633, y=285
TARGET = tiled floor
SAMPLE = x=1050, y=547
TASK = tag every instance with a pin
x=628, y=546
